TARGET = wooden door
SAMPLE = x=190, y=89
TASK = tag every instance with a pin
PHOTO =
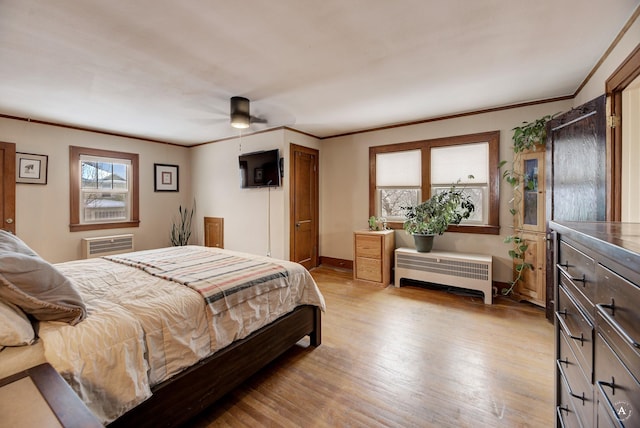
x=8, y=186
x=576, y=170
x=214, y=232
x=304, y=206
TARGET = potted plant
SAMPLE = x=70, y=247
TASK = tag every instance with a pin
x=181, y=228
x=433, y=216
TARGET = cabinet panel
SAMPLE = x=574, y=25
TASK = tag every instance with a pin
x=532, y=286
x=214, y=232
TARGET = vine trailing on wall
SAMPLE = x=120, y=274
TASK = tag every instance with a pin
x=527, y=137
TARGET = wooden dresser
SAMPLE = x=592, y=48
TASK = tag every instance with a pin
x=597, y=323
x=373, y=256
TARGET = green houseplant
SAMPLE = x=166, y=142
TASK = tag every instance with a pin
x=433, y=216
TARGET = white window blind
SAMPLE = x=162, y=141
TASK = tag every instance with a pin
x=452, y=163
x=399, y=169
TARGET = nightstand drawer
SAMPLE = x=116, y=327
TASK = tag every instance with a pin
x=369, y=246
x=368, y=269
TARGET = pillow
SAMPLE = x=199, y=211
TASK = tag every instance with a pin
x=15, y=327
x=36, y=286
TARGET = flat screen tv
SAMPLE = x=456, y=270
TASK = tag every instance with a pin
x=260, y=169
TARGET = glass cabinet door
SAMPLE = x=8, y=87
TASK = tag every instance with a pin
x=532, y=210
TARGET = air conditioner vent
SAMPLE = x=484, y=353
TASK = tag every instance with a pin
x=106, y=245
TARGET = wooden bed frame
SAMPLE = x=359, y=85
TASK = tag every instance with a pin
x=180, y=398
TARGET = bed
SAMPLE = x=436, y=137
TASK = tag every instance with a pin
x=153, y=337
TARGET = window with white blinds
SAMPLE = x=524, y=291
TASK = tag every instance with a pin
x=405, y=174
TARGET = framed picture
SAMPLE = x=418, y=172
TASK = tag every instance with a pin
x=258, y=175
x=165, y=178
x=31, y=168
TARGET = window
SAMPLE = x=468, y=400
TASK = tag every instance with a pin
x=408, y=173
x=104, y=189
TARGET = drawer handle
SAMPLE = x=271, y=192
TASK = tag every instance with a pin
x=611, y=385
x=579, y=397
x=559, y=410
x=572, y=278
x=565, y=327
x=601, y=307
x=565, y=362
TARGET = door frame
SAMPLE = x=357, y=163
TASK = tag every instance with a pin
x=614, y=86
x=9, y=187
x=315, y=260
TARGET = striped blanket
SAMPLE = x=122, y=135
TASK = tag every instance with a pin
x=224, y=280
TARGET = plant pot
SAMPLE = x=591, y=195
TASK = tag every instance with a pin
x=424, y=243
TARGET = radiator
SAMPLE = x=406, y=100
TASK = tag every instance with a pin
x=106, y=245
x=472, y=271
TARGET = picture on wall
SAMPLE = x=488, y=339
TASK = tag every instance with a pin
x=31, y=168
x=165, y=178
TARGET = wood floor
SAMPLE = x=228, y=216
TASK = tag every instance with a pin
x=407, y=357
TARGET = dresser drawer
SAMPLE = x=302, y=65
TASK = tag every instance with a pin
x=369, y=246
x=618, y=301
x=617, y=390
x=578, y=330
x=629, y=355
x=579, y=269
x=368, y=269
x=579, y=388
x=565, y=412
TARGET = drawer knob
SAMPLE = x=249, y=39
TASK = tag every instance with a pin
x=581, y=338
x=611, y=385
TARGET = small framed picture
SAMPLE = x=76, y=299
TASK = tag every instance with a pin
x=165, y=178
x=258, y=175
x=31, y=168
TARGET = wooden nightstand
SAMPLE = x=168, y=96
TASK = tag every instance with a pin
x=373, y=256
x=39, y=397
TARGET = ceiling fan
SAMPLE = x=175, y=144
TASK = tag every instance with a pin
x=240, y=115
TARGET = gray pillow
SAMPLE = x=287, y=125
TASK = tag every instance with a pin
x=15, y=327
x=36, y=286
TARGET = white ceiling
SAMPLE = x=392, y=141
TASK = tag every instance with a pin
x=165, y=70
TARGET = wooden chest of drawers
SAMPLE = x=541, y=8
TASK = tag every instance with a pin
x=597, y=322
x=373, y=256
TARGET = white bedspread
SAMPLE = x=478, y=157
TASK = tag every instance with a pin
x=141, y=329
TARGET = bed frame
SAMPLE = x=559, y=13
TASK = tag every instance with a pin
x=180, y=398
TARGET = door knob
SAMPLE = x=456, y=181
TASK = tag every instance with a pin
x=9, y=220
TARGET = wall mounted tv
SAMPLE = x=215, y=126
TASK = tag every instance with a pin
x=260, y=169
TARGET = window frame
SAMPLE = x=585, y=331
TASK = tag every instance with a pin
x=75, y=192
x=491, y=137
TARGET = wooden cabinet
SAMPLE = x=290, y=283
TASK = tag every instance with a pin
x=373, y=256
x=597, y=323
x=529, y=223
x=214, y=232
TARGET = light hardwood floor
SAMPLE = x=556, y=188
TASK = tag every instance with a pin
x=407, y=357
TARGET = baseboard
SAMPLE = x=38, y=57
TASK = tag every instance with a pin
x=338, y=263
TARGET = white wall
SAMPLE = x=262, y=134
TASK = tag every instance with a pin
x=216, y=187
x=596, y=84
x=42, y=211
x=345, y=182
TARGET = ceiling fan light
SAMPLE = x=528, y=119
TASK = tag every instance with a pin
x=240, y=116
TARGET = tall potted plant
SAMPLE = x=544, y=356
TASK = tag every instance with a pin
x=433, y=216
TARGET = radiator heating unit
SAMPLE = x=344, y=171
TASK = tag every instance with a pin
x=106, y=245
x=471, y=271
